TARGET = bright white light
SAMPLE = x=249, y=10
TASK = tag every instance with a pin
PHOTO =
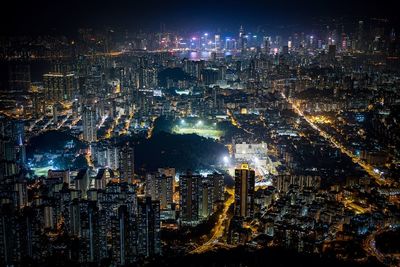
x=199, y=123
x=226, y=159
x=182, y=121
x=204, y=173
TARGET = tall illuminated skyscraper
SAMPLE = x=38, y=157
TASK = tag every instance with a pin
x=149, y=242
x=217, y=41
x=241, y=43
x=126, y=163
x=189, y=197
x=244, y=191
x=160, y=187
x=123, y=237
x=89, y=124
x=205, y=198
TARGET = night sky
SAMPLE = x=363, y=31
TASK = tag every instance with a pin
x=44, y=15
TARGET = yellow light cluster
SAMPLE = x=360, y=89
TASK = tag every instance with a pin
x=321, y=119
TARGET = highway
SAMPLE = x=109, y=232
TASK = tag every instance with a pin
x=368, y=168
x=218, y=229
x=369, y=246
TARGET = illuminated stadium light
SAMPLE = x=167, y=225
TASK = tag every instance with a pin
x=256, y=161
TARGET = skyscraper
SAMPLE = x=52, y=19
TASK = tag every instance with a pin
x=360, y=35
x=217, y=182
x=149, y=243
x=89, y=124
x=267, y=45
x=217, y=40
x=165, y=186
x=19, y=78
x=242, y=41
x=189, y=196
x=150, y=188
x=160, y=187
x=59, y=86
x=244, y=191
x=126, y=163
x=123, y=237
x=205, y=198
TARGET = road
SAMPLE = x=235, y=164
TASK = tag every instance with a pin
x=368, y=168
x=236, y=123
x=218, y=229
x=370, y=247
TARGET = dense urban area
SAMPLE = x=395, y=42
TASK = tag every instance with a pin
x=122, y=148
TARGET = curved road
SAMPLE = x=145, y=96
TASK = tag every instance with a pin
x=219, y=226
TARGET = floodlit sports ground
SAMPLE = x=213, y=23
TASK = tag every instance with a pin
x=204, y=131
x=42, y=171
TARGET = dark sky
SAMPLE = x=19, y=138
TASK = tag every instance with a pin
x=63, y=15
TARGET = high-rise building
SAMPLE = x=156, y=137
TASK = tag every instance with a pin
x=209, y=76
x=123, y=237
x=149, y=242
x=19, y=78
x=89, y=232
x=283, y=182
x=217, y=40
x=59, y=86
x=150, y=188
x=360, y=35
x=89, y=124
x=165, y=189
x=244, y=191
x=205, y=198
x=211, y=193
x=167, y=172
x=7, y=234
x=126, y=163
x=267, y=45
x=160, y=187
x=189, y=196
x=82, y=181
x=285, y=50
x=217, y=182
x=241, y=41
x=147, y=78
x=332, y=52
x=105, y=155
x=12, y=147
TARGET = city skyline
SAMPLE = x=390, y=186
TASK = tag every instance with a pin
x=175, y=133
x=47, y=17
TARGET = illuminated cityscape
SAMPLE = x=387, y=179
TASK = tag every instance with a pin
x=225, y=133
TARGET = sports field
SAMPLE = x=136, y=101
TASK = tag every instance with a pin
x=205, y=131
